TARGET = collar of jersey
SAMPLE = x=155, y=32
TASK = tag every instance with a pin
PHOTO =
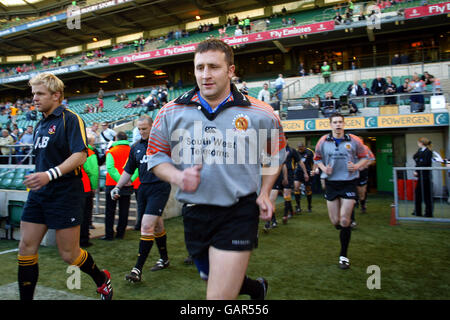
x=121, y=143
x=58, y=111
x=238, y=99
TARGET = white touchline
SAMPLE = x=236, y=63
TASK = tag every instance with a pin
x=8, y=251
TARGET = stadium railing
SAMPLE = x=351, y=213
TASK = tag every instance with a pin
x=406, y=184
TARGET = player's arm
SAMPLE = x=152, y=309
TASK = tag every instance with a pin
x=277, y=151
x=305, y=172
x=36, y=181
x=266, y=208
x=187, y=180
x=76, y=139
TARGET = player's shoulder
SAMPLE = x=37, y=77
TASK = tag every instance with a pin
x=255, y=103
x=355, y=138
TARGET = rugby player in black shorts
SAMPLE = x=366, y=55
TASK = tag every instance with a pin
x=291, y=163
x=56, y=197
x=219, y=182
x=303, y=175
x=153, y=195
x=339, y=156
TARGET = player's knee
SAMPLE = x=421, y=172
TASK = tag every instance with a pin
x=148, y=228
x=68, y=256
x=345, y=222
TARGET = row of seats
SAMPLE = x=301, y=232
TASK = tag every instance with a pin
x=13, y=178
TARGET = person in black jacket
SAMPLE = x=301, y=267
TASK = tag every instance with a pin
x=423, y=190
x=378, y=85
x=390, y=89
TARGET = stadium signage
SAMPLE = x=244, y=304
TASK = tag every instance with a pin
x=153, y=54
x=60, y=17
x=372, y=122
x=428, y=10
x=24, y=77
x=250, y=38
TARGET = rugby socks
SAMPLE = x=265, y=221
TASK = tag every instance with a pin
x=86, y=264
x=352, y=218
x=309, y=198
x=297, y=196
x=345, y=236
x=161, y=243
x=145, y=245
x=27, y=275
x=251, y=287
x=287, y=205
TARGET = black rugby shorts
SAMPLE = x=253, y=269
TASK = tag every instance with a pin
x=233, y=228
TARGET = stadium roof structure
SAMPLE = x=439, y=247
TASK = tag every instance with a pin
x=109, y=19
x=129, y=16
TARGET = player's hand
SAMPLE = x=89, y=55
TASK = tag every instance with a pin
x=352, y=167
x=329, y=170
x=416, y=174
x=115, y=193
x=306, y=177
x=265, y=207
x=35, y=181
x=190, y=178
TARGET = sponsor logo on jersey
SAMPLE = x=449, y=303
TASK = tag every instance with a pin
x=241, y=122
x=52, y=129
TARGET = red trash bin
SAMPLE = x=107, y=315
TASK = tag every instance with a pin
x=401, y=189
x=410, y=189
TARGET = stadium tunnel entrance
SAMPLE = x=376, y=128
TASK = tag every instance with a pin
x=392, y=148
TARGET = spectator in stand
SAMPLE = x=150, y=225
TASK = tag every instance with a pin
x=222, y=32
x=428, y=78
x=354, y=89
x=247, y=25
x=337, y=18
x=329, y=105
x=378, y=85
x=100, y=105
x=279, y=84
x=316, y=102
x=417, y=100
x=364, y=90
x=26, y=138
x=162, y=96
x=396, y=59
x=92, y=131
x=152, y=104
x=390, y=89
x=301, y=70
x=6, y=140
x=244, y=88
x=348, y=17
x=326, y=73
x=404, y=59
x=238, y=32
x=404, y=88
x=264, y=94
x=107, y=136
x=100, y=93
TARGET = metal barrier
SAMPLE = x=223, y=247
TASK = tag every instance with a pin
x=425, y=188
x=25, y=158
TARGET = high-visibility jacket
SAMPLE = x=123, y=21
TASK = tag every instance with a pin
x=90, y=171
x=116, y=158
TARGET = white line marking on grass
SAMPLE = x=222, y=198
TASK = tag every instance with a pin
x=8, y=251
